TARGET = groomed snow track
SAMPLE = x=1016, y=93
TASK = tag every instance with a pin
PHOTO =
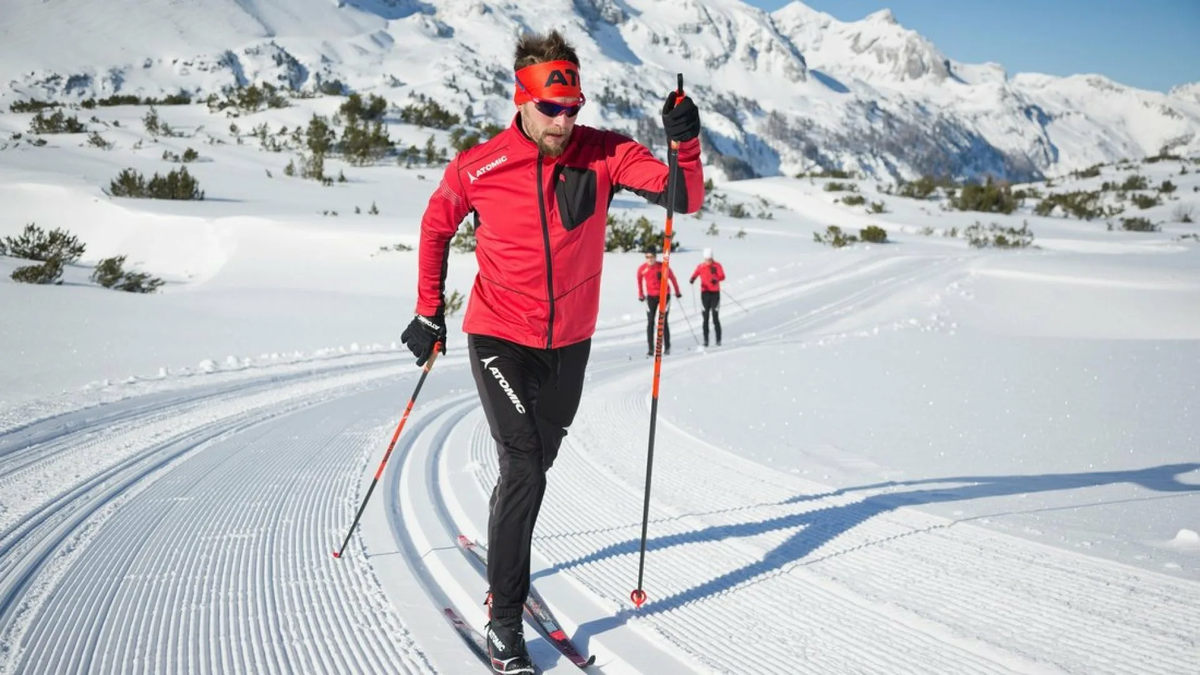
x=191, y=531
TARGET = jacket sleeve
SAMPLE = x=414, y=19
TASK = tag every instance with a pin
x=634, y=168
x=674, y=281
x=640, y=273
x=720, y=272
x=448, y=205
x=696, y=273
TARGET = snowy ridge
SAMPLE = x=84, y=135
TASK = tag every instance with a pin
x=784, y=92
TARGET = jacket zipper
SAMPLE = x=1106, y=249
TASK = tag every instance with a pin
x=549, y=264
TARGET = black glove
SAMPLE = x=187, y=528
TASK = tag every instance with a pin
x=422, y=333
x=679, y=295
x=682, y=120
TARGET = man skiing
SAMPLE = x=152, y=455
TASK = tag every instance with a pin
x=540, y=191
x=648, y=277
x=711, y=275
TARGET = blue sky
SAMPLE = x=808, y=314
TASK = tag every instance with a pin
x=1151, y=44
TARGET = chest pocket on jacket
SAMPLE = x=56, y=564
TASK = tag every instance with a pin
x=576, y=193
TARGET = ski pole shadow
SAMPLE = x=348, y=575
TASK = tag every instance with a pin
x=822, y=525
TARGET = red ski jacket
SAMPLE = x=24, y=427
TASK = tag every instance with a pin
x=649, y=274
x=541, y=226
x=711, y=275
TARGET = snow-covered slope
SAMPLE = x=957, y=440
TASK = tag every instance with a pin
x=974, y=115
x=781, y=92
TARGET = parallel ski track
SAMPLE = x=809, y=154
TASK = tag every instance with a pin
x=431, y=432
x=913, y=271
x=77, y=569
x=776, y=290
x=446, y=413
x=747, y=556
x=196, y=537
x=833, y=583
x=199, y=547
x=88, y=437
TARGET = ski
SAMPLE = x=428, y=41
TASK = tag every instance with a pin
x=535, y=608
x=473, y=638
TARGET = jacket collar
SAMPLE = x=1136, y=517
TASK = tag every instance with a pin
x=518, y=130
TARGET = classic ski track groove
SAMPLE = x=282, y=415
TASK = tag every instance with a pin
x=925, y=270
x=826, y=275
x=110, y=574
x=412, y=478
x=884, y=588
x=410, y=532
x=49, y=444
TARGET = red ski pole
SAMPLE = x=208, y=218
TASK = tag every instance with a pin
x=638, y=596
x=379, y=472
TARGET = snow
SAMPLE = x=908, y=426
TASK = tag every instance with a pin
x=911, y=457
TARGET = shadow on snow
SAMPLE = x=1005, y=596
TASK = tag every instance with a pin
x=825, y=524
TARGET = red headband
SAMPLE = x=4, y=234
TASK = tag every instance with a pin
x=552, y=79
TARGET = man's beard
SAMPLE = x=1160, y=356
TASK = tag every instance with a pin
x=545, y=148
x=553, y=150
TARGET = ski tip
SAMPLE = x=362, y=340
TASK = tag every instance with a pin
x=590, y=660
x=638, y=596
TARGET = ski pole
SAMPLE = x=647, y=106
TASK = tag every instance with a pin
x=437, y=346
x=638, y=596
x=689, y=324
x=735, y=301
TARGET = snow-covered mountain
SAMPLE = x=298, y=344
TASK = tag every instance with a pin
x=781, y=92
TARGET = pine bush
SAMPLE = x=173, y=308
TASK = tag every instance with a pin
x=34, y=243
x=49, y=272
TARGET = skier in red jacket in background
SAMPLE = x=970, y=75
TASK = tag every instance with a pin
x=711, y=274
x=649, y=276
x=540, y=192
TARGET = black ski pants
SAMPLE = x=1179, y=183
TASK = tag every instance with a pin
x=711, y=302
x=530, y=397
x=651, y=317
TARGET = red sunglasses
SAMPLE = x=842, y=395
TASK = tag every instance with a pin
x=552, y=109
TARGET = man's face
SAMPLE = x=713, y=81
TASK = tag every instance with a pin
x=550, y=133
x=650, y=258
